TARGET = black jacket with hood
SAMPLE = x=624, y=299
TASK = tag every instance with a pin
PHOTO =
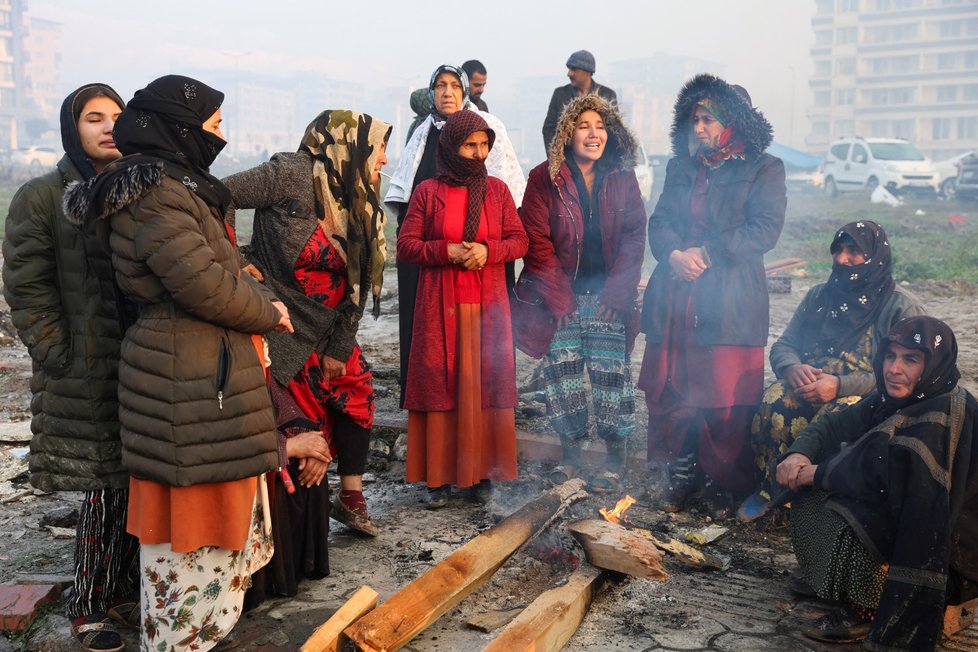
x=745, y=211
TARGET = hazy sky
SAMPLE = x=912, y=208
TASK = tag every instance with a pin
x=763, y=44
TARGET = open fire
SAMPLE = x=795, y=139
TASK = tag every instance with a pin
x=616, y=514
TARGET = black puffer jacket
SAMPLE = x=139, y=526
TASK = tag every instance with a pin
x=194, y=405
x=58, y=282
x=745, y=210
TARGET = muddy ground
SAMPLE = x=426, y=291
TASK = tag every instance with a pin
x=746, y=607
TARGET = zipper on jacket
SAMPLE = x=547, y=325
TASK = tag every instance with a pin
x=223, y=370
x=577, y=242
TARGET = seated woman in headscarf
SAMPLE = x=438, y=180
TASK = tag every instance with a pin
x=460, y=229
x=318, y=244
x=448, y=93
x=197, y=424
x=824, y=358
x=885, y=517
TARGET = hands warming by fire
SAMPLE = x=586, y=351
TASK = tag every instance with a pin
x=812, y=384
x=796, y=471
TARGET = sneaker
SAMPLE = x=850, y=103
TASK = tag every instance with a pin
x=356, y=519
x=839, y=626
x=96, y=633
x=683, y=480
x=437, y=497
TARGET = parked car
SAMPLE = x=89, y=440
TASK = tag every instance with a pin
x=948, y=169
x=863, y=163
x=644, y=174
x=966, y=187
x=36, y=158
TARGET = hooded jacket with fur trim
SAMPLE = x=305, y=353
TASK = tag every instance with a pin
x=745, y=205
x=194, y=406
x=554, y=222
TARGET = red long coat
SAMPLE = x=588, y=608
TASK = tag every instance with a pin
x=431, y=383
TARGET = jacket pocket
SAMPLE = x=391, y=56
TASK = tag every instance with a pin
x=223, y=370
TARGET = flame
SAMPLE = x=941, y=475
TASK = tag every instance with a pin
x=616, y=514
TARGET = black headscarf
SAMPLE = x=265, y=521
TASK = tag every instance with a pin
x=71, y=110
x=855, y=294
x=459, y=171
x=940, y=375
x=163, y=123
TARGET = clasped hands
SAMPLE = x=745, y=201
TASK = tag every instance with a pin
x=688, y=265
x=311, y=449
x=811, y=384
x=470, y=255
x=796, y=471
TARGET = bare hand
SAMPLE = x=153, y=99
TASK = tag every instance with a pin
x=475, y=256
x=687, y=265
x=311, y=471
x=455, y=252
x=799, y=375
x=254, y=272
x=308, y=444
x=607, y=314
x=284, y=323
x=823, y=390
x=332, y=368
x=796, y=471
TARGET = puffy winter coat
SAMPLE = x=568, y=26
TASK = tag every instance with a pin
x=58, y=282
x=194, y=405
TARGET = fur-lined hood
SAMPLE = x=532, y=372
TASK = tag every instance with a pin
x=621, y=151
x=750, y=124
x=84, y=202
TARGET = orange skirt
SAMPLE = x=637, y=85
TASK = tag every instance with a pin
x=461, y=447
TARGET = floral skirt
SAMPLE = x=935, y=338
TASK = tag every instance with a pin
x=191, y=601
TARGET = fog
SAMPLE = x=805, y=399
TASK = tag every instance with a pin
x=387, y=48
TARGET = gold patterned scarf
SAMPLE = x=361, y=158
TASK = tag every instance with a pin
x=345, y=146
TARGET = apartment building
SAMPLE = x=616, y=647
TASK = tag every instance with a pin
x=896, y=68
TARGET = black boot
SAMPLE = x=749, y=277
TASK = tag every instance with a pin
x=683, y=479
x=719, y=502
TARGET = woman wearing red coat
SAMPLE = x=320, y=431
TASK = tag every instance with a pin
x=460, y=228
x=576, y=295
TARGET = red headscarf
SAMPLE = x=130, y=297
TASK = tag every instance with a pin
x=452, y=168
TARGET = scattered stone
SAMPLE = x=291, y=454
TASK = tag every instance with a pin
x=61, y=517
x=400, y=447
x=19, y=604
x=60, y=532
x=381, y=391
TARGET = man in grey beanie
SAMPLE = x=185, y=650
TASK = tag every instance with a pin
x=580, y=68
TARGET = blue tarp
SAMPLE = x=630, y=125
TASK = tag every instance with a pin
x=794, y=158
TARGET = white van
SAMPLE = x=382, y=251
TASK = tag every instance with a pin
x=864, y=163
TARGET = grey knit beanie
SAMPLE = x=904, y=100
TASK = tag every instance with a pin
x=582, y=60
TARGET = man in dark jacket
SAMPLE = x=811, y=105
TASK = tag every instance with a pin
x=477, y=82
x=58, y=281
x=580, y=71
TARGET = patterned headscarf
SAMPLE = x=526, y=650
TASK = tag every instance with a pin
x=459, y=171
x=941, y=375
x=854, y=295
x=345, y=146
x=728, y=145
x=164, y=121
x=458, y=72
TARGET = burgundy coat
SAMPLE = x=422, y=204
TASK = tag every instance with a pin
x=432, y=373
x=554, y=222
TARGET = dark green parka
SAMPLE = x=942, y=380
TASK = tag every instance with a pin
x=58, y=282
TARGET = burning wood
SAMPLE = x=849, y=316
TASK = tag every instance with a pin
x=612, y=547
x=616, y=514
x=551, y=619
x=329, y=636
x=409, y=611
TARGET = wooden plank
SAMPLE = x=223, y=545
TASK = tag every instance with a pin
x=612, y=547
x=684, y=553
x=329, y=636
x=550, y=620
x=409, y=611
x=490, y=621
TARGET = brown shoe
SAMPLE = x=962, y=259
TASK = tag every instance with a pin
x=355, y=519
x=839, y=626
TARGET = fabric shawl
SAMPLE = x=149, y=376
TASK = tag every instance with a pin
x=71, y=110
x=457, y=170
x=729, y=144
x=458, y=72
x=345, y=146
x=163, y=123
x=854, y=295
